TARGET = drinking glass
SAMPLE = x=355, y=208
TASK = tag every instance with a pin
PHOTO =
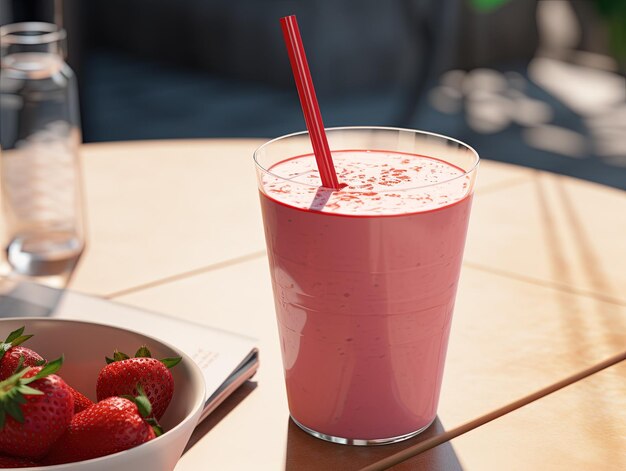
x=365, y=278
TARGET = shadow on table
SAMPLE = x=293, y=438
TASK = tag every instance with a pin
x=305, y=452
x=222, y=411
x=23, y=299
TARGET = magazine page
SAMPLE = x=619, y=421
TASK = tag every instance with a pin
x=225, y=358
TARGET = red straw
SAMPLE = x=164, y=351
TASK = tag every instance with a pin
x=308, y=100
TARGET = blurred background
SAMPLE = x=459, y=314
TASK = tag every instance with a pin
x=535, y=83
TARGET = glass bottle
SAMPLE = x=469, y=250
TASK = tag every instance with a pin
x=40, y=136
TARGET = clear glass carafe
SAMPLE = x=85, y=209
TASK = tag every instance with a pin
x=40, y=136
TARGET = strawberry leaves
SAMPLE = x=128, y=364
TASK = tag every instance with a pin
x=117, y=356
x=14, y=338
x=145, y=409
x=50, y=368
x=13, y=390
x=171, y=362
x=142, y=352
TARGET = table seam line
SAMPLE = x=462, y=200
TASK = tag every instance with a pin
x=186, y=274
x=503, y=185
x=546, y=284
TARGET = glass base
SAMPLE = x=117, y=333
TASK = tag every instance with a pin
x=357, y=441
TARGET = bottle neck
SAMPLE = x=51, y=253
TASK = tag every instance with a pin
x=31, y=48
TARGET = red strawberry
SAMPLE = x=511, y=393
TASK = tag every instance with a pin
x=10, y=358
x=10, y=354
x=122, y=374
x=14, y=462
x=81, y=402
x=36, y=407
x=112, y=425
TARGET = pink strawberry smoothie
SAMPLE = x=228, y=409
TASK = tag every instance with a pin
x=364, y=283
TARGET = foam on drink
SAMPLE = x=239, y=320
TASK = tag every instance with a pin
x=374, y=182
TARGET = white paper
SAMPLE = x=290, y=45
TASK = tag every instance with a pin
x=221, y=355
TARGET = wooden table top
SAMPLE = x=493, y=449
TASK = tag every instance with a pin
x=175, y=226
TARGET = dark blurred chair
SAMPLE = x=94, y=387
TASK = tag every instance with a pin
x=466, y=68
x=191, y=68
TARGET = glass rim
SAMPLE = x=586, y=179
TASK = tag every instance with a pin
x=42, y=33
x=465, y=173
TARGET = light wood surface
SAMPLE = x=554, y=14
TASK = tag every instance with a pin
x=581, y=427
x=175, y=226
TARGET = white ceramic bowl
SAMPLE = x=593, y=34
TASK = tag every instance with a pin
x=84, y=346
